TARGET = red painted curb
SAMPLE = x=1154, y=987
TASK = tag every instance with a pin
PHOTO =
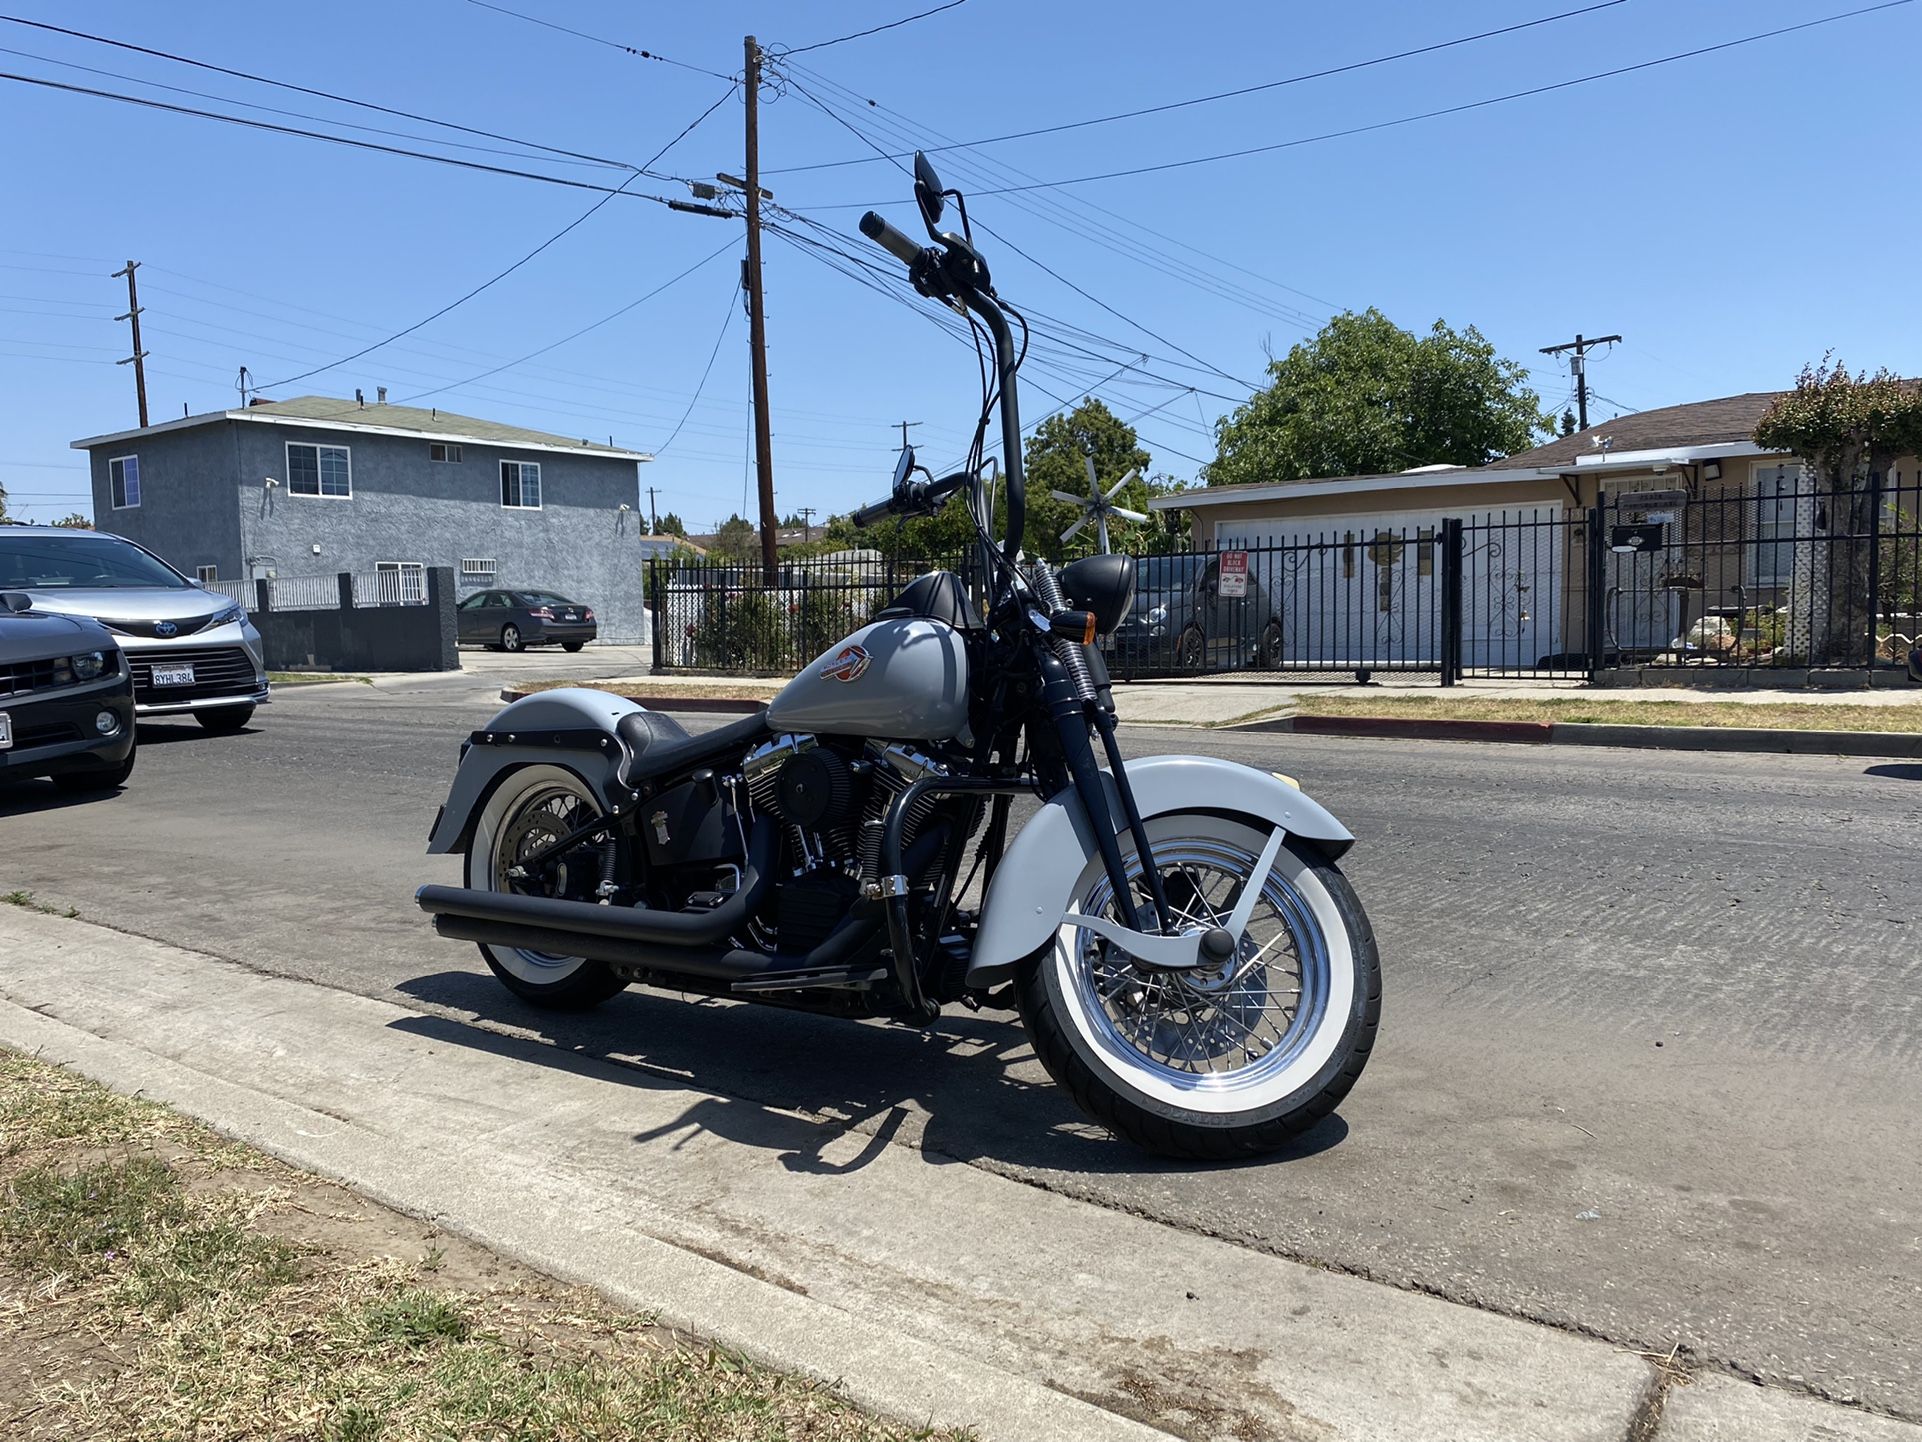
x=1536, y=732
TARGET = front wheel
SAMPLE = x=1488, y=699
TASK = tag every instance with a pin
x=510, y=638
x=224, y=719
x=1226, y=1061
x=530, y=810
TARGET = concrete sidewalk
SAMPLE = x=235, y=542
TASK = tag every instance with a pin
x=930, y=1289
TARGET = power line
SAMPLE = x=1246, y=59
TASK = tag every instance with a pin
x=1431, y=114
x=300, y=114
x=555, y=345
x=305, y=89
x=1057, y=213
x=727, y=319
x=875, y=30
x=242, y=120
x=633, y=50
x=1218, y=95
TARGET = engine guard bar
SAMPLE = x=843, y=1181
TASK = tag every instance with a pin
x=895, y=871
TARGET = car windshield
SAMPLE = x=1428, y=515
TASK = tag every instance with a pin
x=30, y=562
x=545, y=598
x=1162, y=574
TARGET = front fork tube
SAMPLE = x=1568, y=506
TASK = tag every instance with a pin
x=1071, y=727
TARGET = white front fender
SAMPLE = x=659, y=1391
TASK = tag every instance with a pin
x=1035, y=881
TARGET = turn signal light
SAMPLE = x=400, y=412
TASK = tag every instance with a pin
x=1075, y=625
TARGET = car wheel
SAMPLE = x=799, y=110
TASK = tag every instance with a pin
x=1191, y=652
x=510, y=638
x=1269, y=656
x=223, y=719
x=96, y=780
x=572, y=645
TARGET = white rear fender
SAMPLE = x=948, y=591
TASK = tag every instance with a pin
x=1034, y=883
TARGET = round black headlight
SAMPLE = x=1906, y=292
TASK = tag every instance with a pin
x=1104, y=585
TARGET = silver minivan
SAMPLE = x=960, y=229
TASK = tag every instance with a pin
x=191, y=650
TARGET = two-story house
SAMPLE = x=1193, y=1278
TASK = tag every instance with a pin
x=318, y=485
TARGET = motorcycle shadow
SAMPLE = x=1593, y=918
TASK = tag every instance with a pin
x=967, y=1090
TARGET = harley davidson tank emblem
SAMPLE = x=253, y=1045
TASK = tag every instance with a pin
x=847, y=664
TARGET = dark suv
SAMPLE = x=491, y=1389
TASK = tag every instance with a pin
x=1182, y=622
x=66, y=700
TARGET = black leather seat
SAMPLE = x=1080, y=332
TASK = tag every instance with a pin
x=658, y=744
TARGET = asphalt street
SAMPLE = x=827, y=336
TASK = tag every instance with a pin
x=1648, y=1066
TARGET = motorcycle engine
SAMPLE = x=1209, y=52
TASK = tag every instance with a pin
x=832, y=799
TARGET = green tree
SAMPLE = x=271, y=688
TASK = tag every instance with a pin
x=1057, y=457
x=3, y=503
x=1847, y=429
x=736, y=540
x=1367, y=397
x=74, y=521
x=671, y=526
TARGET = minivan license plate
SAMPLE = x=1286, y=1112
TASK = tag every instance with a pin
x=173, y=675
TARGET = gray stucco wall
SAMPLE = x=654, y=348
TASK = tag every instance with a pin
x=206, y=504
x=186, y=514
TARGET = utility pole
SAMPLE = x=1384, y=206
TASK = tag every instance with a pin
x=139, y=357
x=1578, y=367
x=904, y=431
x=757, y=318
x=806, y=513
x=653, y=516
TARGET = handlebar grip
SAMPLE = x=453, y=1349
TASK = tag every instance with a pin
x=868, y=515
x=889, y=239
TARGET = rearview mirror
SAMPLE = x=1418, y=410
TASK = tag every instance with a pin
x=927, y=190
x=903, y=466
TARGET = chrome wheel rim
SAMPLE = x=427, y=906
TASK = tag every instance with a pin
x=1234, y=1028
x=538, y=819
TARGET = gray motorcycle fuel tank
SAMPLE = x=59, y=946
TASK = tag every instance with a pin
x=903, y=679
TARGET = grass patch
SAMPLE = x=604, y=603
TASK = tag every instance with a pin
x=314, y=678
x=1789, y=715
x=27, y=901
x=161, y=1283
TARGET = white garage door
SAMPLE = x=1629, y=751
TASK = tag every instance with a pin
x=1364, y=591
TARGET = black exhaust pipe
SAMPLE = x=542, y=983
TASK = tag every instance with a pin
x=580, y=920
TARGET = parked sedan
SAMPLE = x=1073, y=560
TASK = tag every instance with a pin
x=66, y=700
x=512, y=620
x=192, y=651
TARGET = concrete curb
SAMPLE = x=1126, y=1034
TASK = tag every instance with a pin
x=1582, y=733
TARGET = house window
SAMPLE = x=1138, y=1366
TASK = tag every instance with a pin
x=400, y=583
x=440, y=451
x=318, y=471
x=477, y=566
x=521, y=485
x=1772, y=553
x=123, y=478
x=1425, y=552
x=206, y=573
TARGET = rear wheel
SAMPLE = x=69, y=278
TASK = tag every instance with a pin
x=510, y=637
x=1222, y=1061
x=571, y=645
x=530, y=810
x=225, y=718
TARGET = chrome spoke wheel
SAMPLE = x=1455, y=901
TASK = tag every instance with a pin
x=1230, y=1026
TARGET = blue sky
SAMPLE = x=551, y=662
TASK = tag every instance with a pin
x=1731, y=215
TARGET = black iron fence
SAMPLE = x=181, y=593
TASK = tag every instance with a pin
x=721, y=616
x=1773, y=575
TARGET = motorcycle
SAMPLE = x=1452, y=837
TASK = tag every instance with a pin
x=1175, y=931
